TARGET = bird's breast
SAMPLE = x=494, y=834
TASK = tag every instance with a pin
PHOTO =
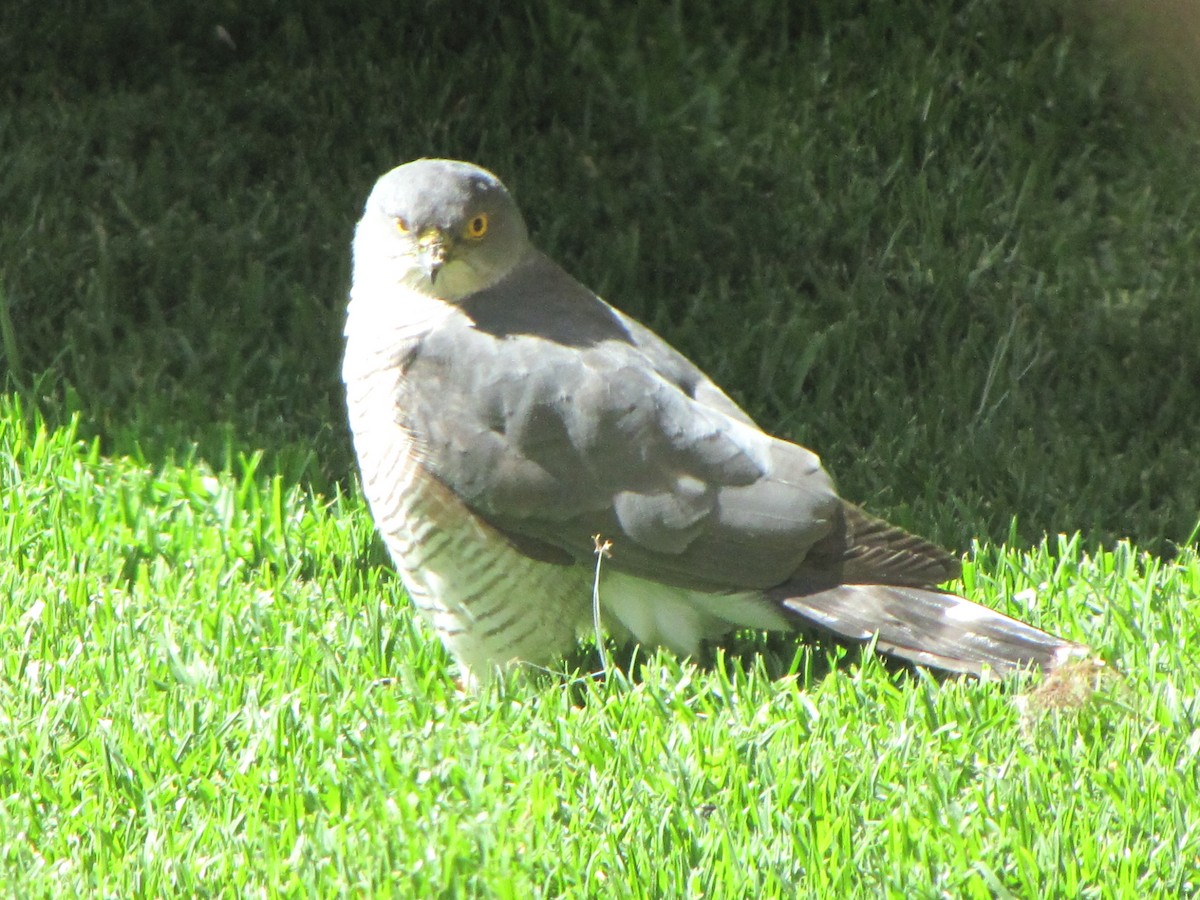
x=488, y=602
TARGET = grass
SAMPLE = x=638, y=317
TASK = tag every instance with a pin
x=192, y=707
x=949, y=245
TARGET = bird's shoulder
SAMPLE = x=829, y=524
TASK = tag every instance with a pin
x=540, y=320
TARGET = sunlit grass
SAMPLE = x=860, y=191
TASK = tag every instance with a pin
x=214, y=684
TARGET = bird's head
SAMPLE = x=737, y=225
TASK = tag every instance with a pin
x=444, y=228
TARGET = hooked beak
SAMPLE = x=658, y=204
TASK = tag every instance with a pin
x=434, y=247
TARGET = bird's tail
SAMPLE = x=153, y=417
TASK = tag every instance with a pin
x=932, y=628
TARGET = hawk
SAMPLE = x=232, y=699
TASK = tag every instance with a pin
x=504, y=416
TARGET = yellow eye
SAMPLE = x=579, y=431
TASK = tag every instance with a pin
x=402, y=225
x=477, y=227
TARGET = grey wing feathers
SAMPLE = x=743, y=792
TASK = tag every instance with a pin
x=682, y=371
x=576, y=421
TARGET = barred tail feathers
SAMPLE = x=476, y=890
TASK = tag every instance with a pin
x=932, y=628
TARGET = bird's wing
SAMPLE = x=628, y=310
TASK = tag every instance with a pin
x=555, y=419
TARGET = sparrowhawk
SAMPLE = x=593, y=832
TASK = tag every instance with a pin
x=504, y=416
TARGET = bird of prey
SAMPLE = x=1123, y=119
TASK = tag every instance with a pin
x=505, y=418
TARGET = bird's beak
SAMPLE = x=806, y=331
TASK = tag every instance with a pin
x=434, y=247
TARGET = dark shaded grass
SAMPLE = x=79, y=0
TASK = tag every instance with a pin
x=944, y=245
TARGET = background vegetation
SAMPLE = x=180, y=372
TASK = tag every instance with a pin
x=952, y=246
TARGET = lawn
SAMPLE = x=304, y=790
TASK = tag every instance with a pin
x=953, y=247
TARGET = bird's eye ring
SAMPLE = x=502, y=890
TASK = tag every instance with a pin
x=402, y=225
x=477, y=227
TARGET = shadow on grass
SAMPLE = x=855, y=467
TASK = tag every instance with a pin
x=962, y=289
